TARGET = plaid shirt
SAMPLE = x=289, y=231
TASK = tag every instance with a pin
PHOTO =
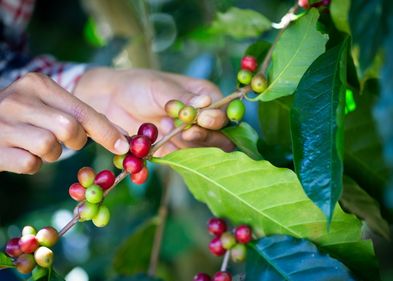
x=14, y=58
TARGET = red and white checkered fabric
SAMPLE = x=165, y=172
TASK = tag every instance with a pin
x=15, y=15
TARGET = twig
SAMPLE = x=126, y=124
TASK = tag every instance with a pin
x=237, y=94
x=69, y=225
x=162, y=216
x=166, y=138
x=225, y=261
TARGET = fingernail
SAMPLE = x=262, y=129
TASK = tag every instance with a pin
x=122, y=146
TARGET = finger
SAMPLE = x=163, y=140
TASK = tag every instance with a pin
x=37, y=141
x=200, y=101
x=213, y=119
x=97, y=126
x=18, y=161
x=65, y=127
x=195, y=134
x=196, y=86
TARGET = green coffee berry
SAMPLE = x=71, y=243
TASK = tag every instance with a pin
x=258, y=83
x=44, y=257
x=236, y=110
x=87, y=211
x=118, y=161
x=103, y=216
x=188, y=114
x=94, y=194
x=244, y=76
x=228, y=240
x=173, y=107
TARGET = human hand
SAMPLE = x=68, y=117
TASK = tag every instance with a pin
x=36, y=115
x=131, y=97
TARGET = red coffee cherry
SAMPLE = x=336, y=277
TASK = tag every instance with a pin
x=28, y=244
x=105, y=179
x=44, y=257
x=12, y=248
x=216, y=248
x=222, y=276
x=304, y=4
x=202, y=277
x=86, y=176
x=77, y=192
x=173, y=107
x=47, y=236
x=141, y=176
x=25, y=263
x=148, y=130
x=238, y=253
x=243, y=234
x=216, y=226
x=132, y=164
x=249, y=63
x=140, y=146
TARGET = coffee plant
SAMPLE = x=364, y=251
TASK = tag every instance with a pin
x=295, y=204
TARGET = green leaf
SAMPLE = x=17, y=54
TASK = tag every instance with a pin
x=133, y=254
x=245, y=138
x=317, y=123
x=363, y=157
x=280, y=257
x=240, y=23
x=358, y=202
x=271, y=200
x=366, y=19
x=297, y=48
x=339, y=9
x=5, y=261
x=49, y=275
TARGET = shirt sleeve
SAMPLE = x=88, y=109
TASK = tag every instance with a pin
x=15, y=60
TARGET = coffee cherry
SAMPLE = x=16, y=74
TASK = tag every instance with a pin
x=140, y=146
x=141, y=176
x=118, y=161
x=103, y=216
x=236, y=110
x=188, y=114
x=258, y=83
x=28, y=243
x=94, y=194
x=132, y=164
x=173, y=107
x=244, y=77
x=216, y=226
x=227, y=240
x=178, y=123
x=201, y=277
x=12, y=248
x=77, y=192
x=148, y=130
x=243, y=234
x=44, y=257
x=238, y=253
x=105, y=179
x=87, y=211
x=28, y=229
x=47, y=236
x=86, y=176
x=249, y=63
x=216, y=248
x=304, y=4
x=25, y=263
x=222, y=276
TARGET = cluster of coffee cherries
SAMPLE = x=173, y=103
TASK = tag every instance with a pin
x=32, y=249
x=247, y=76
x=180, y=112
x=224, y=240
x=89, y=190
x=134, y=161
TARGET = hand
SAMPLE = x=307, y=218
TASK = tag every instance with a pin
x=36, y=115
x=131, y=97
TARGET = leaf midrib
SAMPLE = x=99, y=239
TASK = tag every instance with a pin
x=229, y=192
